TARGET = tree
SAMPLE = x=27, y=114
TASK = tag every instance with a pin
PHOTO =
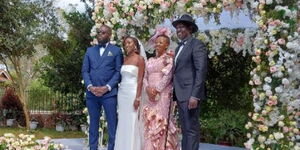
x=62, y=67
x=23, y=23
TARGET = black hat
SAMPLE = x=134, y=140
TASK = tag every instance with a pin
x=186, y=19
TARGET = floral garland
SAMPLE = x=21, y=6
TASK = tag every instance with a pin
x=240, y=40
x=275, y=47
x=276, y=95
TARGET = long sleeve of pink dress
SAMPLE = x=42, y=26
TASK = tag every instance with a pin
x=158, y=75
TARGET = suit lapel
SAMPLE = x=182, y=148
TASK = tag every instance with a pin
x=186, y=47
x=106, y=50
x=97, y=54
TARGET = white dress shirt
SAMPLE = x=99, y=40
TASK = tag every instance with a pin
x=102, y=49
x=179, y=51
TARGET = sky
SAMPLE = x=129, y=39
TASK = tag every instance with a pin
x=65, y=4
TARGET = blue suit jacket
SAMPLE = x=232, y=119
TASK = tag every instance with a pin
x=102, y=70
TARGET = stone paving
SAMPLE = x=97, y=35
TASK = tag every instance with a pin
x=78, y=144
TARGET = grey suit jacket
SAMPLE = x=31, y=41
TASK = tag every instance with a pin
x=190, y=71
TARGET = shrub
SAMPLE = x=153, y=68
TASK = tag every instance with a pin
x=38, y=118
x=12, y=107
x=225, y=125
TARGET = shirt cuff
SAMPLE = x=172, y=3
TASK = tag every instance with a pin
x=108, y=86
x=89, y=86
x=198, y=99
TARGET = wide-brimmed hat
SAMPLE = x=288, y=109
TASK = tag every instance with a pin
x=186, y=19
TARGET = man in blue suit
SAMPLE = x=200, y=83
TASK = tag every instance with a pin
x=101, y=74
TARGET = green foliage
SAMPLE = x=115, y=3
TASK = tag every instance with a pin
x=22, y=23
x=62, y=67
x=224, y=113
x=225, y=125
x=227, y=83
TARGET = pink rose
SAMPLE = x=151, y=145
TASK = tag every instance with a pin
x=271, y=103
x=273, y=46
x=268, y=53
x=240, y=40
x=281, y=41
x=140, y=8
x=277, y=22
x=273, y=69
x=203, y=2
x=258, y=52
x=111, y=7
x=262, y=1
x=256, y=59
x=257, y=82
x=261, y=119
x=272, y=23
x=213, y=1
x=285, y=129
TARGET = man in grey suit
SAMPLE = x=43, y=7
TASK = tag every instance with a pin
x=190, y=69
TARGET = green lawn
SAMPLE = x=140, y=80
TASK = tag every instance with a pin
x=40, y=133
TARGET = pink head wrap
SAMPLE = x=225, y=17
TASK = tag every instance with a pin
x=160, y=31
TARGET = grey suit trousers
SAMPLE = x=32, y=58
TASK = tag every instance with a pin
x=190, y=126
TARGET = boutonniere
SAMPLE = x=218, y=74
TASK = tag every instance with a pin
x=110, y=53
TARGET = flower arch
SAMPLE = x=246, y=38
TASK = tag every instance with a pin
x=275, y=47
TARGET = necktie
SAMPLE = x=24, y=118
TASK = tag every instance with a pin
x=178, y=47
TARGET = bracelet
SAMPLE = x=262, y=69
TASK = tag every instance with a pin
x=138, y=99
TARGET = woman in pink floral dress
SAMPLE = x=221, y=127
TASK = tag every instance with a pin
x=158, y=86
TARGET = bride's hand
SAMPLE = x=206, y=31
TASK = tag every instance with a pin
x=136, y=104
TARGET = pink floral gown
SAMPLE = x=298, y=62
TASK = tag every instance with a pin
x=158, y=74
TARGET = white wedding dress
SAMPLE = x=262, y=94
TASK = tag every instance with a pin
x=128, y=129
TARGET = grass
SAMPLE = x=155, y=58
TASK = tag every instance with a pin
x=41, y=133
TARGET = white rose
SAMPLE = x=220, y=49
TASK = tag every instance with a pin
x=285, y=81
x=278, y=135
x=269, y=2
x=269, y=92
x=278, y=89
x=261, y=138
x=249, y=135
x=268, y=79
x=281, y=117
x=280, y=124
x=296, y=130
x=266, y=87
x=264, y=112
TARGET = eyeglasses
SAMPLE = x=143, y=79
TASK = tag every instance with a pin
x=101, y=32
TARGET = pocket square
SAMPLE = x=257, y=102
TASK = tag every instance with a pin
x=110, y=53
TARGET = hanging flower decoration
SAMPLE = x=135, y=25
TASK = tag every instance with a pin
x=274, y=46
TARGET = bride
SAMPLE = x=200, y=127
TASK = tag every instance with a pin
x=128, y=136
